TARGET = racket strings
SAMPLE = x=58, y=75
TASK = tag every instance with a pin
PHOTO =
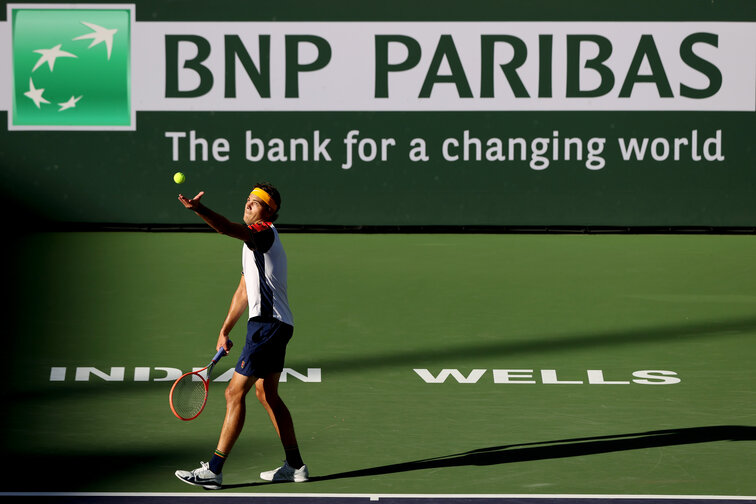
x=188, y=397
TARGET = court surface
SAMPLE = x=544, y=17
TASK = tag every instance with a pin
x=444, y=365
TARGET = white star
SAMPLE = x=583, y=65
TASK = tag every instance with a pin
x=71, y=103
x=99, y=34
x=49, y=55
x=35, y=94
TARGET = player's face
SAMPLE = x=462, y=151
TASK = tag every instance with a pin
x=255, y=210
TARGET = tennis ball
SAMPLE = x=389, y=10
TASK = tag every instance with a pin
x=179, y=178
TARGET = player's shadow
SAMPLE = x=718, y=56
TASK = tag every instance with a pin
x=535, y=344
x=545, y=450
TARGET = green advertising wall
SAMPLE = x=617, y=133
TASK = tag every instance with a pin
x=651, y=125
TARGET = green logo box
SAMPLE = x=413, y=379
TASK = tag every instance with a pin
x=71, y=67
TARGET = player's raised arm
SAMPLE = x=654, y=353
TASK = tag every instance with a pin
x=215, y=220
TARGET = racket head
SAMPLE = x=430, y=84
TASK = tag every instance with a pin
x=188, y=396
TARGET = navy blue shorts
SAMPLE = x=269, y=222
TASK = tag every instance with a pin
x=265, y=349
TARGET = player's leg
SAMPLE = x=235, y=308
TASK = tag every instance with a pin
x=236, y=410
x=208, y=475
x=294, y=469
x=266, y=390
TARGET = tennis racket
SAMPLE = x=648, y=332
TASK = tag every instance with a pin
x=189, y=393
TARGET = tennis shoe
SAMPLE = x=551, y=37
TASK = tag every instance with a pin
x=286, y=473
x=202, y=476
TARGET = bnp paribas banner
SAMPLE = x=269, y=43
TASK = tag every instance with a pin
x=503, y=115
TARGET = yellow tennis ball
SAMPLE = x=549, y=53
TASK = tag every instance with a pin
x=179, y=178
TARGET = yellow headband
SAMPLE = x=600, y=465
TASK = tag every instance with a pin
x=260, y=193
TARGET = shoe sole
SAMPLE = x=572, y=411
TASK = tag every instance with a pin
x=212, y=486
x=271, y=476
x=273, y=480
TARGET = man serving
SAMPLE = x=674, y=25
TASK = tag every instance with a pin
x=270, y=326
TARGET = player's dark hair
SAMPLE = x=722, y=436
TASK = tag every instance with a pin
x=273, y=192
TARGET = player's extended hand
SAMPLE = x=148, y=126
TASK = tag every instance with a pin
x=191, y=204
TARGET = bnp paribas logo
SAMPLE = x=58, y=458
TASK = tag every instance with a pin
x=71, y=67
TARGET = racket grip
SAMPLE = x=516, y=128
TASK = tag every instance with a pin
x=220, y=354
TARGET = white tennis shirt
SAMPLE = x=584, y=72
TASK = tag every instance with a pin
x=265, y=272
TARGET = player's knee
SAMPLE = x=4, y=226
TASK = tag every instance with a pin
x=274, y=401
x=260, y=393
x=267, y=391
x=234, y=393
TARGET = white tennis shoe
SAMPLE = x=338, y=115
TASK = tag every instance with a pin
x=202, y=476
x=286, y=473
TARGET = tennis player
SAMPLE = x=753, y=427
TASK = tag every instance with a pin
x=262, y=290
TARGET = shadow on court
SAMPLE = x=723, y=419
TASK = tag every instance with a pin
x=538, y=344
x=562, y=448
x=81, y=472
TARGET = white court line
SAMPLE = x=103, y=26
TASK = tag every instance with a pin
x=373, y=496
